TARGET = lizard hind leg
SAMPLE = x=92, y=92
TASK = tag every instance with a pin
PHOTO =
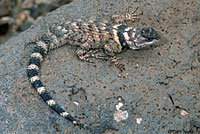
x=81, y=54
x=86, y=54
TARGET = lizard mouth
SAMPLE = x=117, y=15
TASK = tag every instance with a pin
x=145, y=37
x=142, y=41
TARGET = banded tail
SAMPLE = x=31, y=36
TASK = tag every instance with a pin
x=37, y=56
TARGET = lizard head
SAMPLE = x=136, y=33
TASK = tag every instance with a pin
x=141, y=37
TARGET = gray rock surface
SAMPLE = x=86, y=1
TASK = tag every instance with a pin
x=160, y=89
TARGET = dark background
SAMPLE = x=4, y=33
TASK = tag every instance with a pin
x=18, y=15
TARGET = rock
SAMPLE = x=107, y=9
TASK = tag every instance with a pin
x=162, y=80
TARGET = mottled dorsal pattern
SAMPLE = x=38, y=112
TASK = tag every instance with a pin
x=90, y=37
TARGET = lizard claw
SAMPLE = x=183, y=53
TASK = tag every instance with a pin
x=131, y=15
x=117, y=63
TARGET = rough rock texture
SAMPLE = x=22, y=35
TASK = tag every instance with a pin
x=160, y=89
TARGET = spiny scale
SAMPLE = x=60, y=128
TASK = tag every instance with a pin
x=89, y=37
x=72, y=33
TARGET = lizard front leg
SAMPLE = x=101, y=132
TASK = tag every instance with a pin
x=111, y=50
x=117, y=62
x=84, y=54
x=129, y=16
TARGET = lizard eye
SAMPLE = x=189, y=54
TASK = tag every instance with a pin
x=149, y=40
x=143, y=37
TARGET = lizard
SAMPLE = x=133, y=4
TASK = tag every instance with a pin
x=89, y=37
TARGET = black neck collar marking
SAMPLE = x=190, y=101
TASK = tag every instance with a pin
x=120, y=31
x=122, y=40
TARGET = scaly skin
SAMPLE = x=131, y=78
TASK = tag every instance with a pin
x=90, y=37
